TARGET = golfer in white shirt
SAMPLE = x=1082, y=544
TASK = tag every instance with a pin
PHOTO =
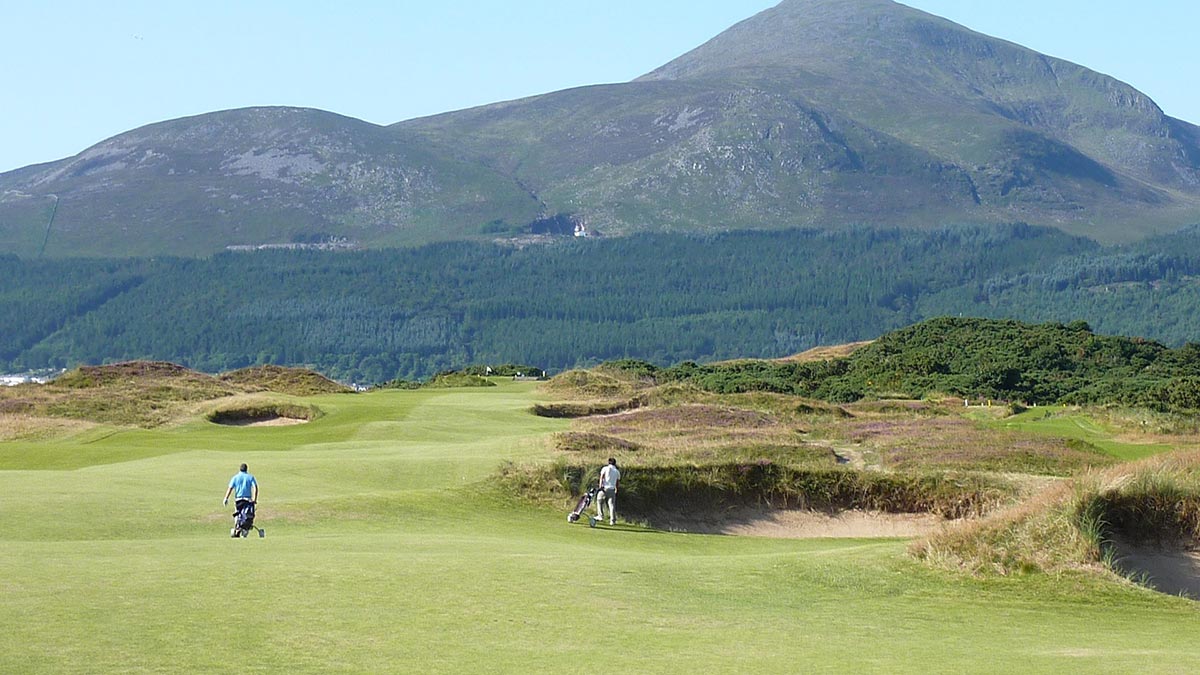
x=610, y=481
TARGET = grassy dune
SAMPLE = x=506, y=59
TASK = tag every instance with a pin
x=389, y=549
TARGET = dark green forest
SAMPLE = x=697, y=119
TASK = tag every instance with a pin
x=373, y=316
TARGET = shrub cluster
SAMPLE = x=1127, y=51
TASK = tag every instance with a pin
x=1028, y=364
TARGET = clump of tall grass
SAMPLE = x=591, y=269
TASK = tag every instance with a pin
x=1072, y=526
x=1157, y=502
x=1038, y=535
x=547, y=484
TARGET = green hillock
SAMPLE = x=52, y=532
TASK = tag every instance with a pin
x=979, y=359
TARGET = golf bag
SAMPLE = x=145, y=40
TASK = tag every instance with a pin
x=584, y=502
x=243, y=520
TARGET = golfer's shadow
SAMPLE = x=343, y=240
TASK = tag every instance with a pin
x=629, y=528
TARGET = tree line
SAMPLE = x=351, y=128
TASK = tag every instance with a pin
x=374, y=316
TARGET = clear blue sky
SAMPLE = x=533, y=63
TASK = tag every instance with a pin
x=77, y=71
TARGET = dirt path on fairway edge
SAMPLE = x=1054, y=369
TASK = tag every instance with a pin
x=1174, y=570
x=799, y=524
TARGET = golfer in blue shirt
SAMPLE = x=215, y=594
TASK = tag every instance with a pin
x=244, y=489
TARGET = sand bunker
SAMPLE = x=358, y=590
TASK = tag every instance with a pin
x=260, y=421
x=798, y=524
x=1174, y=571
x=263, y=415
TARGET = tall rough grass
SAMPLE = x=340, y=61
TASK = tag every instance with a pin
x=27, y=427
x=1037, y=535
x=648, y=489
x=1072, y=526
x=1157, y=502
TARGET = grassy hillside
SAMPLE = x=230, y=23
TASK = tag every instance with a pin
x=388, y=547
x=276, y=176
x=707, y=158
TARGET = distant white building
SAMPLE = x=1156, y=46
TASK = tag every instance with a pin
x=14, y=380
x=581, y=230
x=39, y=377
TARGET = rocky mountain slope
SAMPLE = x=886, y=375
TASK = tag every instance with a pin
x=248, y=177
x=828, y=112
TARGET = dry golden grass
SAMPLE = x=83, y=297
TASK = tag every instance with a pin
x=1036, y=535
x=825, y=353
x=1070, y=525
x=27, y=427
x=681, y=423
x=925, y=440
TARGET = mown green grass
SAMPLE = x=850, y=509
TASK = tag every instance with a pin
x=388, y=551
x=1064, y=422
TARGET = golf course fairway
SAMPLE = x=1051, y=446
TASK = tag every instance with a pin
x=387, y=550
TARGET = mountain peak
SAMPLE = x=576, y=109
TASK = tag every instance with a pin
x=945, y=88
x=809, y=34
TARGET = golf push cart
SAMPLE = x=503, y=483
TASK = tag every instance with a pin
x=243, y=521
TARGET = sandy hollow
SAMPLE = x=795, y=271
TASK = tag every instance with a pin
x=800, y=524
